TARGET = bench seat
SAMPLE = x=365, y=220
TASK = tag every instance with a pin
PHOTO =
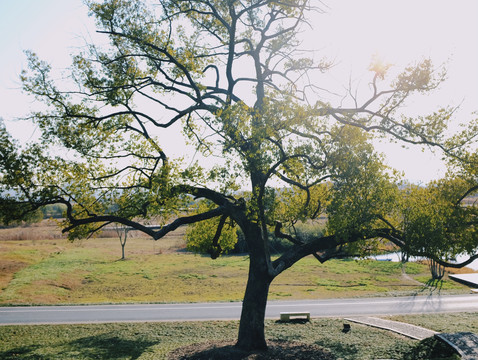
x=287, y=316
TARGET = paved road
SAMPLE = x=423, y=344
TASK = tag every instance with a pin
x=217, y=311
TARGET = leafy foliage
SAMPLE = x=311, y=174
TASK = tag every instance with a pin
x=200, y=236
x=362, y=192
x=230, y=77
x=436, y=223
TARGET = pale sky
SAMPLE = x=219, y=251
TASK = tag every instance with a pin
x=400, y=31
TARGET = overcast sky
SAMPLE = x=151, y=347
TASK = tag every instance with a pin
x=399, y=31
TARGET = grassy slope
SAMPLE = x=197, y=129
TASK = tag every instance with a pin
x=55, y=271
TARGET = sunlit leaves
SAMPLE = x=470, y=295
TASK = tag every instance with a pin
x=118, y=13
x=432, y=126
x=362, y=192
x=435, y=223
x=418, y=77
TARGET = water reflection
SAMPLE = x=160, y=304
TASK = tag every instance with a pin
x=396, y=257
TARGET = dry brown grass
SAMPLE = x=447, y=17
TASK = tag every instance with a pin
x=49, y=230
x=44, y=230
x=24, y=246
x=451, y=270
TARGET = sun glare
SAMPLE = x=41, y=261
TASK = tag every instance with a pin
x=399, y=32
x=358, y=36
x=387, y=36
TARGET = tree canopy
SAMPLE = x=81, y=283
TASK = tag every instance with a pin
x=230, y=77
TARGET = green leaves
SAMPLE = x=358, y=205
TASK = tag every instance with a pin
x=436, y=222
x=233, y=74
x=200, y=236
x=362, y=192
x=418, y=77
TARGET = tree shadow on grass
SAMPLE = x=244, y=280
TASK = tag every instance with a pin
x=435, y=284
x=111, y=347
x=278, y=350
x=23, y=352
x=104, y=346
x=340, y=349
x=431, y=287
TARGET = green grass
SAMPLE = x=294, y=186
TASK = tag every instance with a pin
x=156, y=340
x=448, y=322
x=58, y=272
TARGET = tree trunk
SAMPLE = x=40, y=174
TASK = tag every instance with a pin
x=437, y=270
x=122, y=250
x=251, y=327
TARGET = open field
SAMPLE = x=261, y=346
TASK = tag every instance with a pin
x=156, y=340
x=55, y=271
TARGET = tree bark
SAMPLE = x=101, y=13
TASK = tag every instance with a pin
x=251, y=327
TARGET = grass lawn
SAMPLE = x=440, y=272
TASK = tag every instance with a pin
x=156, y=340
x=56, y=271
x=88, y=274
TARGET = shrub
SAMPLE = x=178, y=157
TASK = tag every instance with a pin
x=199, y=236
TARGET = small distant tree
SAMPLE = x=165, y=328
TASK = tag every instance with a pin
x=230, y=76
x=122, y=232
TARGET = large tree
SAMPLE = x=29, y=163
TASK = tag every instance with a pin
x=230, y=77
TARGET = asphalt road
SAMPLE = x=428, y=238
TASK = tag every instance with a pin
x=223, y=311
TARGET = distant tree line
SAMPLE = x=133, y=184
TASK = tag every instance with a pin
x=52, y=211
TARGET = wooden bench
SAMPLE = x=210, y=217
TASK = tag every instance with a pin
x=286, y=316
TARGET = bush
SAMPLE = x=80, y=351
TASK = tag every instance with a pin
x=199, y=235
x=308, y=231
x=304, y=231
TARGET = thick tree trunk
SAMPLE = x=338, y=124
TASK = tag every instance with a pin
x=251, y=327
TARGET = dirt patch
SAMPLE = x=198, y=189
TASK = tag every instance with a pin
x=411, y=280
x=8, y=268
x=463, y=270
x=278, y=350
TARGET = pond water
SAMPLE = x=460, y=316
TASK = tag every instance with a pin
x=397, y=256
